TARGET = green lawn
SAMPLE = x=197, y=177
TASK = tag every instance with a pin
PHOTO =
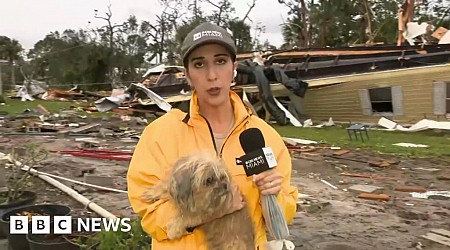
x=380, y=141
x=16, y=106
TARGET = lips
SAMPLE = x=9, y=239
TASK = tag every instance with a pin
x=214, y=91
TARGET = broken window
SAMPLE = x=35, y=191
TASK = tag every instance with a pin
x=381, y=100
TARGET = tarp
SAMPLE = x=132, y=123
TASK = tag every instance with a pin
x=251, y=73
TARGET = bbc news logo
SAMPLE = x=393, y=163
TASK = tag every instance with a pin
x=64, y=224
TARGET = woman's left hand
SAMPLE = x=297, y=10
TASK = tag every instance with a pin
x=268, y=182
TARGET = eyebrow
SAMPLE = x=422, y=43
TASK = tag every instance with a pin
x=202, y=57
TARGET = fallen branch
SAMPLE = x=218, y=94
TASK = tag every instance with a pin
x=368, y=176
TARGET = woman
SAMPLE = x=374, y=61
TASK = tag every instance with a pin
x=214, y=120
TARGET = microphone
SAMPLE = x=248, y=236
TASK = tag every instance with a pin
x=258, y=158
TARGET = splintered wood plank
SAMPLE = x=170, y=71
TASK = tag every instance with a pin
x=442, y=232
x=437, y=238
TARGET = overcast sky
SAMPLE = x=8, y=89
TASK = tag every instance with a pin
x=29, y=21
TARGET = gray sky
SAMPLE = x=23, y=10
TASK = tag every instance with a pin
x=29, y=21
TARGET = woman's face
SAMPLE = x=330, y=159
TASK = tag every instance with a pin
x=210, y=72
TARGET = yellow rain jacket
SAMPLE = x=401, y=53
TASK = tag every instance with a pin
x=177, y=134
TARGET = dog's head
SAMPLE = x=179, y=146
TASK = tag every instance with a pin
x=200, y=183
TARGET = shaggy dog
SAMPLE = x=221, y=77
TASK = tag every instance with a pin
x=200, y=187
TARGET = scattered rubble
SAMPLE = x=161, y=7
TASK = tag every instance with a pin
x=379, y=201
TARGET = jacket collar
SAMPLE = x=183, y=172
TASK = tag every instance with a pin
x=241, y=112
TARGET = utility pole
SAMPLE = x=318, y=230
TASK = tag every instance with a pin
x=1, y=83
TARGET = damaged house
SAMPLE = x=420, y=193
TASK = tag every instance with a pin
x=363, y=84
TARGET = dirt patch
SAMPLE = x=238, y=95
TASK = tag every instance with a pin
x=348, y=222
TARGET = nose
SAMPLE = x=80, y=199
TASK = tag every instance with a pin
x=225, y=185
x=212, y=75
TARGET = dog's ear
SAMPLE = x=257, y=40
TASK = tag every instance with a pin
x=181, y=188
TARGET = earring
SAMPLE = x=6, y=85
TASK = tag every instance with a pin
x=234, y=73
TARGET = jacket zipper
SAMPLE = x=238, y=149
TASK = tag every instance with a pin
x=211, y=133
x=223, y=144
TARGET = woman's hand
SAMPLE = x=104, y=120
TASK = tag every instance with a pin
x=268, y=182
x=236, y=202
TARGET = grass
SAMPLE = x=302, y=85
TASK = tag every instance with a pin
x=380, y=141
x=16, y=107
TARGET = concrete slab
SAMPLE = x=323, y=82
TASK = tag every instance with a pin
x=104, y=181
x=365, y=189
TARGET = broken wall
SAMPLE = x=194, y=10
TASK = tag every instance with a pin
x=343, y=102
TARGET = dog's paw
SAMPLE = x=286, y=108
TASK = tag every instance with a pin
x=175, y=231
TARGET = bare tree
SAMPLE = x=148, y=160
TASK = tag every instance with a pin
x=161, y=31
x=248, y=12
x=109, y=27
x=109, y=30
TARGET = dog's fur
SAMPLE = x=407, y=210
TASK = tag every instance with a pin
x=200, y=188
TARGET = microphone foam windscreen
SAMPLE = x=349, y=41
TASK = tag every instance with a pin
x=251, y=139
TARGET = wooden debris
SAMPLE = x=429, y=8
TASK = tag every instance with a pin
x=341, y=152
x=442, y=232
x=311, y=157
x=440, y=236
x=439, y=33
x=444, y=178
x=375, y=177
x=302, y=148
x=380, y=197
x=383, y=163
x=417, y=189
x=428, y=169
x=80, y=129
x=41, y=109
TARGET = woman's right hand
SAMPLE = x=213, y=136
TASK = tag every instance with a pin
x=237, y=201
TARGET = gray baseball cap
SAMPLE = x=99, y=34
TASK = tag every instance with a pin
x=207, y=33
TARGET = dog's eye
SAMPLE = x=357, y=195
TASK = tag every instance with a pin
x=209, y=181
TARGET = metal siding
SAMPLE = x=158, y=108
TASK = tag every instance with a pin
x=342, y=101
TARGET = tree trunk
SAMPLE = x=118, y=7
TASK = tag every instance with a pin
x=13, y=74
x=1, y=82
x=304, y=33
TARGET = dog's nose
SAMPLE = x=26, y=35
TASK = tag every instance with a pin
x=225, y=186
